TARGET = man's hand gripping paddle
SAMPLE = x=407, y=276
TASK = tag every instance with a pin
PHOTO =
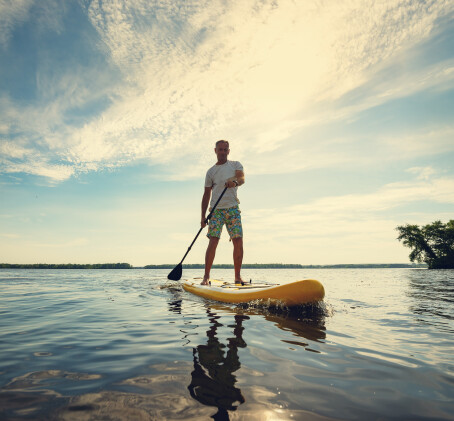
x=177, y=271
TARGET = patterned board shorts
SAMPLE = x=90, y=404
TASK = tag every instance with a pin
x=231, y=217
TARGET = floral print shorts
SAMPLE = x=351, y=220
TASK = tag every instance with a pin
x=231, y=217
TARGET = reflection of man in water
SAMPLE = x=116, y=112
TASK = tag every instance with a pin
x=213, y=382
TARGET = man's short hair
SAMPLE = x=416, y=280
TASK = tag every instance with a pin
x=222, y=141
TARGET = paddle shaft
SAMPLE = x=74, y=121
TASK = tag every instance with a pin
x=206, y=221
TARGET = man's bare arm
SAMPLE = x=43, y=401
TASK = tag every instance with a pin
x=205, y=201
x=239, y=178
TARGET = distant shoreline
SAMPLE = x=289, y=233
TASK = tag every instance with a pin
x=124, y=266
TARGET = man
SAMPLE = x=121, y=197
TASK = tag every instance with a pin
x=223, y=174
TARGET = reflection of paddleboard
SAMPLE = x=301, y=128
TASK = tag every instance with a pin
x=312, y=328
x=291, y=294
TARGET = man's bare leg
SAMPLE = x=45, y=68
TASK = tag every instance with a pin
x=209, y=258
x=237, y=258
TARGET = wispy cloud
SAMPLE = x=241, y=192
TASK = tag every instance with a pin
x=12, y=13
x=345, y=228
x=428, y=142
x=41, y=167
x=423, y=173
x=193, y=71
x=10, y=235
x=357, y=206
x=13, y=150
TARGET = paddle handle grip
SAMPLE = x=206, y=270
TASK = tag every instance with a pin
x=206, y=221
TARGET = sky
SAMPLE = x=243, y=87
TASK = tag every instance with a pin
x=341, y=114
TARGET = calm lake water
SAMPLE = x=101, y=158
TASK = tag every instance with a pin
x=128, y=344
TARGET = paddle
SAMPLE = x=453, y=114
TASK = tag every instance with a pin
x=177, y=271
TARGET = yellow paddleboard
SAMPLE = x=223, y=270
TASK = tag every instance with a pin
x=290, y=294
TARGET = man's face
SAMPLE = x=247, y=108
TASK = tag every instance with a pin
x=222, y=150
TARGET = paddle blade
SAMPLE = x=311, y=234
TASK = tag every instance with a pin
x=175, y=275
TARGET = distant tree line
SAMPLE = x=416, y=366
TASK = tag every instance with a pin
x=230, y=266
x=432, y=244
x=366, y=266
x=201, y=266
x=66, y=266
x=294, y=266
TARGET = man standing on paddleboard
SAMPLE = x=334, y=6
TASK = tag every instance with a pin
x=223, y=174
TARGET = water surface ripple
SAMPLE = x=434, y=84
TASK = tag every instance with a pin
x=129, y=344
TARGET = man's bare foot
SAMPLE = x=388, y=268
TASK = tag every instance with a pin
x=205, y=281
x=239, y=281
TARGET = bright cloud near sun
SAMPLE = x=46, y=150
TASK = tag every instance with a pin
x=191, y=72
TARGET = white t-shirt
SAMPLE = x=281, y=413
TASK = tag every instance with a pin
x=216, y=177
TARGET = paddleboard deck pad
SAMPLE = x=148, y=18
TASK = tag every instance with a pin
x=289, y=294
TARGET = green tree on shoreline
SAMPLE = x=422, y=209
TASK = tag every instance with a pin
x=432, y=243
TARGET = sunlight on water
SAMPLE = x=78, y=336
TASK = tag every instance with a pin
x=91, y=344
